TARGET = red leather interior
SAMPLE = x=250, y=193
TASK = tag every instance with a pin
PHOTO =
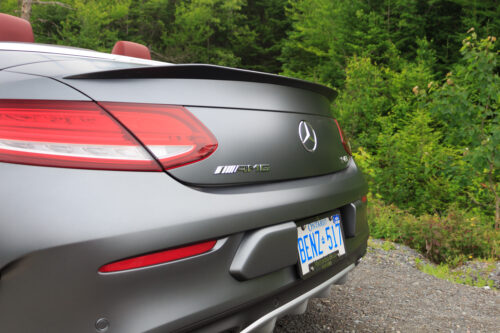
x=131, y=49
x=15, y=29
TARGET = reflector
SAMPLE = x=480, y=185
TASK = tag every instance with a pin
x=158, y=257
x=345, y=142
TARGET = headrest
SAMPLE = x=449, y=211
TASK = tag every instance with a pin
x=15, y=29
x=131, y=49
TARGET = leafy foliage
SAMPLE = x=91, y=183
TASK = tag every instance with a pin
x=352, y=28
x=450, y=238
x=466, y=108
x=269, y=24
x=427, y=148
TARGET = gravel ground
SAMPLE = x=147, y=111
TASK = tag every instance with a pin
x=387, y=293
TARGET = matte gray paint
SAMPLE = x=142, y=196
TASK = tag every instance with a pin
x=58, y=233
x=15, y=58
x=70, y=65
x=349, y=219
x=24, y=86
x=195, y=92
x=58, y=226
x=217, y=93
x=257, y=137
x=83, y=205
x=323, y=290
x=361, y=214
x=354, y=214
x=265, y=250
x=241, y=317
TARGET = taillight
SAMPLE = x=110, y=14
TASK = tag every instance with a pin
x=80, y=134
x=171, y=133
x=345, y=142
x=73, y=134
x=158, y=257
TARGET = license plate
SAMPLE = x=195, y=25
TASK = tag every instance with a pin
x=319, y=243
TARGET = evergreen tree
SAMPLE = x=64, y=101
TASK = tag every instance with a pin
x=269, y=23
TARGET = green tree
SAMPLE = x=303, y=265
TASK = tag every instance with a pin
x=325, y=33
x=374, y=91
x=466, y=108
x=208, y=31
x=413, y=167
x=268, y=22
x=148, y=23
x=363, y=101
x=405, y=24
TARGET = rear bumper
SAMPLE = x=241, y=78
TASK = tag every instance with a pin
x=261, y=314
x=58, y=226
x=297, y=305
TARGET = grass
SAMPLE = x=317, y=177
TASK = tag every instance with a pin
x=386, y=246
x=444, y=271
x=469, y=277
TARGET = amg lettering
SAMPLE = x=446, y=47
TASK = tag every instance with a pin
x=242, y=168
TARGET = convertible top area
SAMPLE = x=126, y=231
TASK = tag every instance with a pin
x=14, y=29
x=46, y=51
x=157, y=69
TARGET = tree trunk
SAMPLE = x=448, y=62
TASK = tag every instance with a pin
x=26, y=9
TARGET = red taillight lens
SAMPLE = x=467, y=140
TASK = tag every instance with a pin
x=345, y=142
x=171, y=133
x=158, y=257
x=69, y=134
x=364, y=199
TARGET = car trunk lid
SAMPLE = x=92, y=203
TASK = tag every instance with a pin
x=264, y=146
x=268, y=127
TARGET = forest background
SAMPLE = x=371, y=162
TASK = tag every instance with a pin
x=417, y=80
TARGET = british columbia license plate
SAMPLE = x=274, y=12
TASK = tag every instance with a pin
x=319, y=243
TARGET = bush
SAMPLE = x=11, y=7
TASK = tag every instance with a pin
x=425, y=146
x=451, y=238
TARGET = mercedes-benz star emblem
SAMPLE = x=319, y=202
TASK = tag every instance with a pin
x=307, y=136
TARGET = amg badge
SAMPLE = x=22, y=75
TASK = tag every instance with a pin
x=242, y=168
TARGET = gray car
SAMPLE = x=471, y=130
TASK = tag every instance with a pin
x=141, y=196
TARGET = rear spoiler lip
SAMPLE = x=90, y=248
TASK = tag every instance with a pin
x=208, y=72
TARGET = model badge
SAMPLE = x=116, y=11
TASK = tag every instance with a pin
x=242, y=168
x=344, y=158
x=307, y=136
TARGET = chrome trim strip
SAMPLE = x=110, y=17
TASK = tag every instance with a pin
x=282, y=309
